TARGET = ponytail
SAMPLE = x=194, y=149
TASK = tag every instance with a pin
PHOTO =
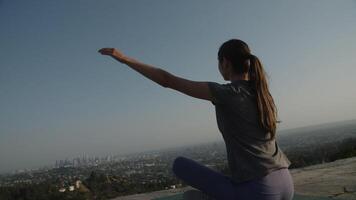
x=267, y=109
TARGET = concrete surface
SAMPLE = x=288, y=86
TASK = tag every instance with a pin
x=334, y=180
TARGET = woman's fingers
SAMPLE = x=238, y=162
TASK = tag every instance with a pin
x=106, y=51
x=113, y=52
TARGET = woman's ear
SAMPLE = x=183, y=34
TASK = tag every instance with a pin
x=224, y=63
x=225, y=69
x=227, y=65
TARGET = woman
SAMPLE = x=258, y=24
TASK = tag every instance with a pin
x=246, y=117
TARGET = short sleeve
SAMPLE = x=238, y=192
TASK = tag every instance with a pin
x=220, y=93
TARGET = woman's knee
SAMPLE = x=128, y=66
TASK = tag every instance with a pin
x=178, y=164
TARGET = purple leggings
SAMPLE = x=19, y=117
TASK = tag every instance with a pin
x=277, y=185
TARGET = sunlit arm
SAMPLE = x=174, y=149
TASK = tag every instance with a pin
x=153, y=73
x=195, y=89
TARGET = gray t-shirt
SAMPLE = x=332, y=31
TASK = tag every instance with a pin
x=250, y=153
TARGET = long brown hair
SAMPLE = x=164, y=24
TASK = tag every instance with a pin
x=239, y=54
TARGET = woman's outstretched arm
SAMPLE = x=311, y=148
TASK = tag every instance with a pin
x=195, y=89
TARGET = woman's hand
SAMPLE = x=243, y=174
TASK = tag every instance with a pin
x=113, y=53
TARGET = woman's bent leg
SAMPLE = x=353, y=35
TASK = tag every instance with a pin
x=203, y=178
x=277, y=185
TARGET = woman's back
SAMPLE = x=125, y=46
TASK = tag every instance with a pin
x=250, y=151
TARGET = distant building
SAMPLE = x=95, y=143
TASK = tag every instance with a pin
x=77, y=184
x=71, y=188
x=62, y=190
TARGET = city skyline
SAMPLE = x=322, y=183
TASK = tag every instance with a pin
x=61, y=98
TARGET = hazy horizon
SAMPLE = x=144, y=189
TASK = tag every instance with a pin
x=280, y=132
x=60, y=98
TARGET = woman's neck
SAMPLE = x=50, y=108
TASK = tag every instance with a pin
x=235, y=77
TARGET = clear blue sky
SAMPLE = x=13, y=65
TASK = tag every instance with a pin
x=60, y=98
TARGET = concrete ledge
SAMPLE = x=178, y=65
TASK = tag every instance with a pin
x=334, y=180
